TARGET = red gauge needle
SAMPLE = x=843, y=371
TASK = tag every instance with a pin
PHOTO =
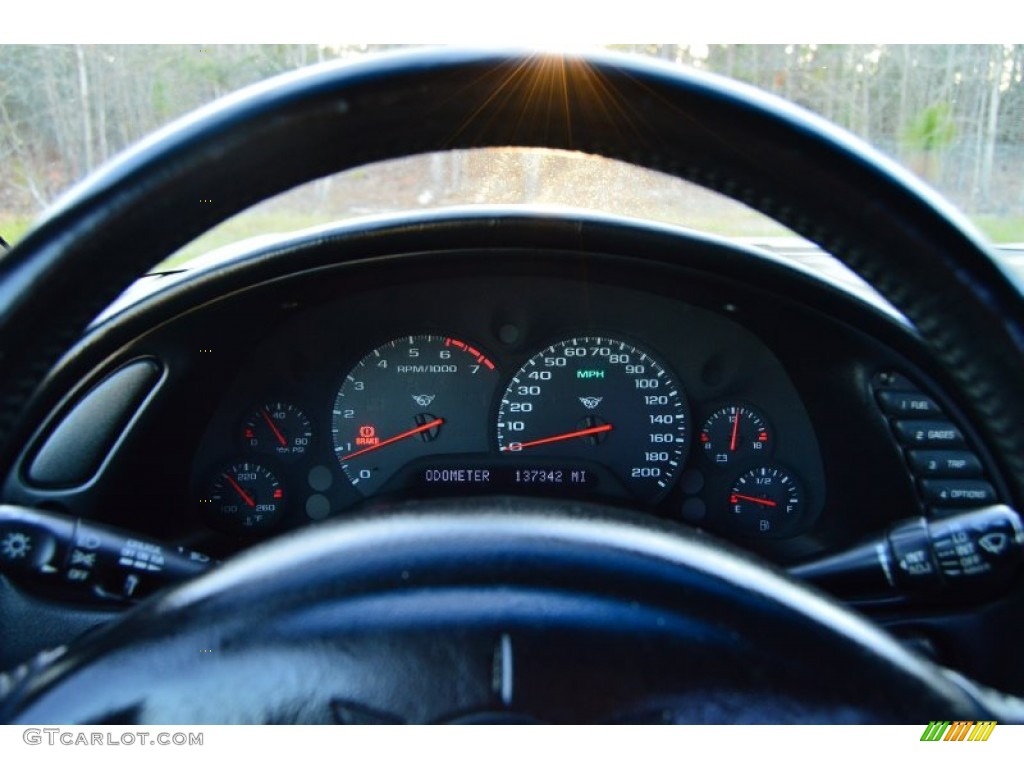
x=273, y=428
x=735, y=429
x=414, y=431
x=245, y=496
x=762, y=502
x=556, y=438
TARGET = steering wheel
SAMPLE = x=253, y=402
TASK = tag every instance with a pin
x=504, y=610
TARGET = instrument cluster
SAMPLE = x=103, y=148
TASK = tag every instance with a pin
x=657, y=405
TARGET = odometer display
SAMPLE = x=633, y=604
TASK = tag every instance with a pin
x=601, y=400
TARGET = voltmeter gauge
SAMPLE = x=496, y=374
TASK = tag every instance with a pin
x=244, y=497
x=280, y=429
x=766, y=501
x=733, y=434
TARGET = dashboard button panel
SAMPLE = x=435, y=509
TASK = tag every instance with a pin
x=945, y=463
x=958, y=493
x=928, y=433
x=903, y=403
x=947, y=474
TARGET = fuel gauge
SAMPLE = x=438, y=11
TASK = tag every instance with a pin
x=766, y=501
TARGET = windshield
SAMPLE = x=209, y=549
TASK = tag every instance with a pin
x=952, y=114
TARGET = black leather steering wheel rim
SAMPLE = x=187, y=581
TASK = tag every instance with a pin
x=490, y=610
x=784, y=163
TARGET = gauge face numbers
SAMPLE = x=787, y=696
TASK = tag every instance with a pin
x=734, y=434
x=279, y=429
x=414, y=397
x=595, y=399
x=244, y=497
x=766, y=502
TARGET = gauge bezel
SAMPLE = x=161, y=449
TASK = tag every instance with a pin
x=792, y=525
x=484, y=358
x=740, y=460
x=236, y=524
x=677, y=458
x=291, y=456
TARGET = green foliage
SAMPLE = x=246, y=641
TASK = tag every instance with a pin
x=928, y=105
x=932, y=129
x=13, y=228
x=1001, y=229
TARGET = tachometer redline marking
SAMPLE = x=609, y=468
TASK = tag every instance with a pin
x=556, y=438
x=414, y=431
x=470, y=350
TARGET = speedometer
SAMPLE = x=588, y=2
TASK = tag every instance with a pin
x=597, y=399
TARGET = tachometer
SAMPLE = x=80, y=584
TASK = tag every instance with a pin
x=600, y=400
x=413, y=397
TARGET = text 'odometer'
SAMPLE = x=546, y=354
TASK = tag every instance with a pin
x=596, y=399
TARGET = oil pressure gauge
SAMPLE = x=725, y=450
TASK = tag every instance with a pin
x=278, y=428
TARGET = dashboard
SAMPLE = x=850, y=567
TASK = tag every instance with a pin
x=512, y=385
x=648, y=368
x=461, y=355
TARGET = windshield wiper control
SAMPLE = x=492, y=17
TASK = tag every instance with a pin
x=75, y=558
x=967, y=554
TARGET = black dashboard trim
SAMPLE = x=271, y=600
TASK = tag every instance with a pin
x=394, y=242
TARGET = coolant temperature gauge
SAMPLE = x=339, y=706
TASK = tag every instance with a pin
x=766, y=501
x=244, y=497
